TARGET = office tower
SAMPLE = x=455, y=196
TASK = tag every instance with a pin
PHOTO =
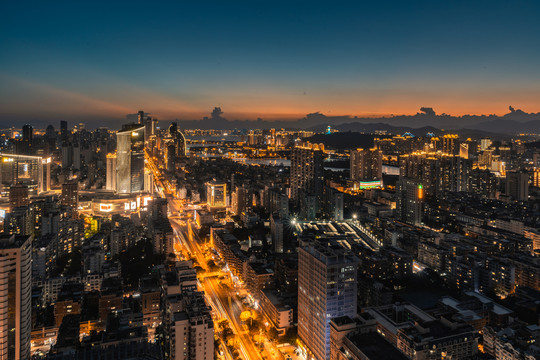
x=18, y=196
x=15, y=296
x=148, y=181
x=130, y=159
x=216, y=194
x=517, y=185
x=111, y=172
x=327, y=285
x=366, y=167
x=63, y=131
x=485, y=143
x=27, y=139
x=32, y=171
x=307, y=171
x=464, y=150
x=170, y=156
x=67, y=155
x=410, y=196
x=154, y=126
x=450, y=144
x=70, y=194
x=148, y=123
x=50, y=136
x=178, y=140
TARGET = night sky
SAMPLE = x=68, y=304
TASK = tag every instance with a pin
x=98, y=60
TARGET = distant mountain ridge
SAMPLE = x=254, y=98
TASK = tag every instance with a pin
x=515, y=122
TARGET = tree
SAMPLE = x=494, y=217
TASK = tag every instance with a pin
x=273, y=333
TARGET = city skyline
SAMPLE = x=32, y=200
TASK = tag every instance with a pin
x=286, y=180
x=88, y=63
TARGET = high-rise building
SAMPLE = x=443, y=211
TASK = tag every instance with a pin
x=483, y=183
x=536, y=177
x=15, y=296
x=517, y=185
x=276, y=230
x=140, y=117
x=437, y=172
x=148, y=123
x=216, y=194
x=18, y=196
x=67, y=155
x=32, y=171
x=239, y=199
x=327, y=285
x=70, y=194
x=63, y=131
x=410, y=197
x=111, y=172
x=485, y=143
x=50, y=137
x=333, y=204
x=130, y=159
x=192, y=330
x=464, y=150
x=170, y=157
x=366, y=167
x=178, y=140
x=76, y=151
x=307, y=171
x=27, y=142
x=450, y=144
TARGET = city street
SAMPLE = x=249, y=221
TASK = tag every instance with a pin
x=223, y=299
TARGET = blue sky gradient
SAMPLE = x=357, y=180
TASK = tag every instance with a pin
x=85, y=60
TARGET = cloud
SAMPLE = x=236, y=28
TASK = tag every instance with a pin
x=428, y=111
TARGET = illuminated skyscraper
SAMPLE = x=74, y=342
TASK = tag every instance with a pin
x=327, y=288
x=216, y=194
x=307, y=172
x=111, y=172
x=437, y=172
x=70, y=194
x=15, y=296
x=170, y=156
x=32, y=171
x=27, y=142
x=410, y=197
x=366, y=167
x=485, y=143
x=464, y=150
x=450, y=144
x=130, y=159
x=178, y=139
